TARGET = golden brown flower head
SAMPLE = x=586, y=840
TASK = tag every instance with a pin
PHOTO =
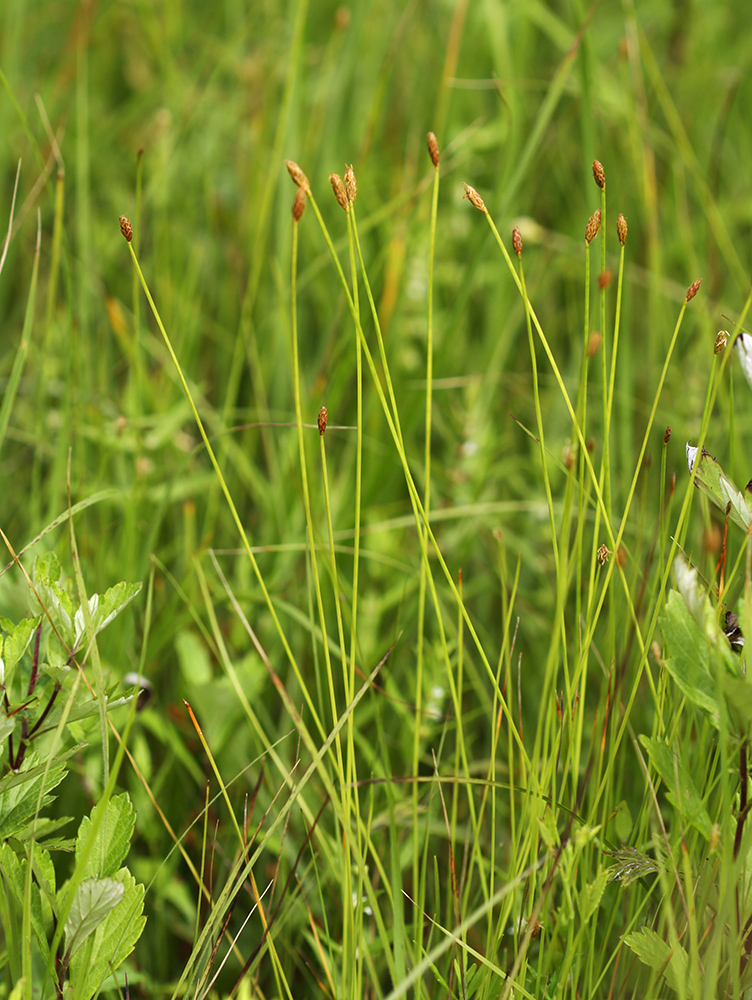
x=599, y=174
x=351, y=188
x=667, y=435
x=594, y=224
x=298, y=206
x=603, y=553
x=621, y=229
x=339, y=190
x=720, y=341
x=605, y=278
x=322, y=420
x=474, y=198
x=693, y=290
x=517, y=241
x=297, y=175
x=126, y=228
x=433, y=148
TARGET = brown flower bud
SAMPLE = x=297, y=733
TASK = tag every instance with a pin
x=433, y=148
x=603, y=553
x=322, y=420
x=594, y=224
x=126, y=228
x=621, y=556
x=621, y=229
x=339, y=190
x=599, y=174
x=517, y=241
x=351, y=187
x=474, y=198
x=604, y=279
x=720, y=341
x=298, y=206
x=692, y=290
x=590, y=445
x=297, y=175
x=667, y=435
x=594, y=342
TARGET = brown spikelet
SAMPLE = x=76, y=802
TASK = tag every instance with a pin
x=603, y=553
x=667, y=435
x=339, y=190
x=594, y=342
x=594, y=224
x=351, y=188
x=322, y=420
x=599, y=174
x=621, y=556
x=474, y=198
x=298, y=206
x=297, y=175
x=126, y=228
x=433, y=148
x=517, y=241
x=721, y=341
x=693, y=290
x=604, y=279
x=621, y=229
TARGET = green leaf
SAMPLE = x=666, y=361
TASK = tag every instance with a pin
x=94, y=899
x=681, y=790
x=591, y=895
x=14, y=870
x=716, y=485
x=112, y=839
x=689, y=658
x=653, y=951
x=113, y=940
x=103, y=608
x=18, y=640
x=19, y=793
x=193, y=658
x=631, y=864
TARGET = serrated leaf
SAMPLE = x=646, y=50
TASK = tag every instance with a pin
x=114, y=939
x=94, y=899
x=653, y=951
x=716, y=485
x=112, y=839
x=17, y=641
x=547, y=830
x=591, y=895
x=695, y=596
x=681, y=790
x=103, y=608
x=14, y=872
x=688, y=661
x=19, y=793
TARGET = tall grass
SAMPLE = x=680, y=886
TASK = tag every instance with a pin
x=419, y=643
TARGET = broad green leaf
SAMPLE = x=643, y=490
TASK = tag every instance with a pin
x=653, y=951
x=19, y=798
x=193, y=658
x=112, y=838
x=114, y=939
x=712, y=480
x=591, y=895
x=681, y=790
x=94, y=899
x=14, y=871
x=688, y=661
x=18, y=640
x=103, y=608
x=55, y=599
x=695, y=597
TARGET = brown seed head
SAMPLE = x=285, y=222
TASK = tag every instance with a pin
x=603, y=553
x=126, y=228
x=350, y=186
x=667, y=435
x=474, y=198
x=621, y=556
x=322, y=420
x=433, y=148
x=599, y=174
x=594, y=342
x=621, y=229
x=517, y=241
x=604, y=279
x=298, y=206
x=720, y=341
x=693, y=289
x=297, y=175
x=568, y=457
x=590, y=445
x=339, y=190
x=594, y=224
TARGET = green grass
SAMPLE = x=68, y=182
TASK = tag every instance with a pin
x=401, y=707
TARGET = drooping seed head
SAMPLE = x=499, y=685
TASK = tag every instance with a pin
x=621, y=229
x=594, y=224
x=474, y=198
x=351, y=188
x=339, y=190
x=693, y=290
x=721, y=341
x=322, y=420
x=298, y=206
x=599, y=174
x=517, y=241
x=433, y=148
x=126, y=228
x=297, y=175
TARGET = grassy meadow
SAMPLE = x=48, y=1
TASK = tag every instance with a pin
x=434, y=710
